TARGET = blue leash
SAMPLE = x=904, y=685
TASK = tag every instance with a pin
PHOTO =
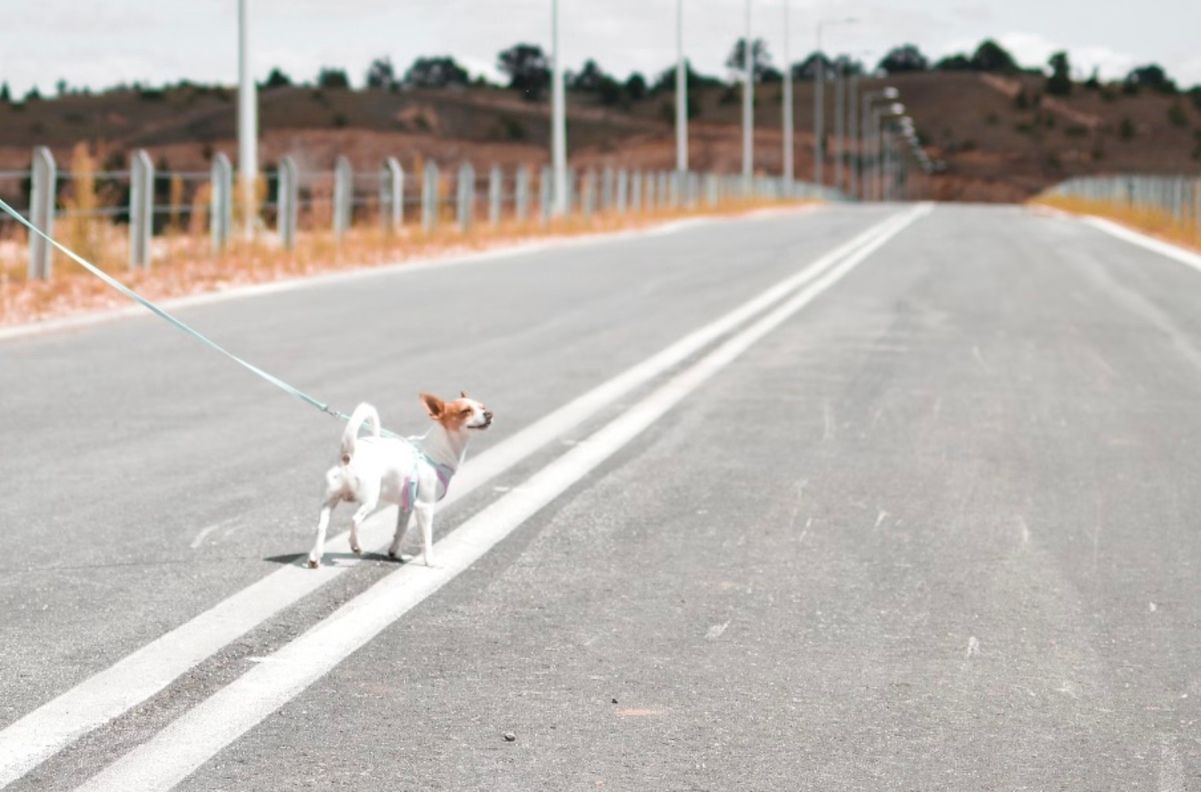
x=187, y=329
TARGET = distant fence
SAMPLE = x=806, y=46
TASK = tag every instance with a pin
x=1175, y=197
x=157, y=202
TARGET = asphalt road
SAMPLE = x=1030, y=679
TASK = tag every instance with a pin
x=936, y=530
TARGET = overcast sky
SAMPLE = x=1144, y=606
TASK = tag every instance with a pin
x=155, y=41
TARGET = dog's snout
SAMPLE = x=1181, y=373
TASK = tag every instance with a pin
x=487, y=415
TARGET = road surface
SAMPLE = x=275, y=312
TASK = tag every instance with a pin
x=924, y=517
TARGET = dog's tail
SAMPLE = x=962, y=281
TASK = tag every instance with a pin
x=364, y=412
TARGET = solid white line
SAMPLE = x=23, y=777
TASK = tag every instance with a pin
x=402, y=267
x=48, y=729
x=1184, y=256
x=196, y=736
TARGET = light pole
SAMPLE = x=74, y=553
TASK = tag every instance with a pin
x=839, y=114
x=681, y=94
x=866, y=134
x=878, y=116
x=748, y=99
x=789, y=169
x=855, y=120
x=558, y=117
x=819, y=146
x=248, y=124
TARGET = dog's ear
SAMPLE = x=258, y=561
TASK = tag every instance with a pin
x=433, y=405
x=463, y=395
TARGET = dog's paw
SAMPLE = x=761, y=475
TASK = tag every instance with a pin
x=314, y=563
x=356, y=549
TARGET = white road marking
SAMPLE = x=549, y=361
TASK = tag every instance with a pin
x=196, y=736
x=1183, y=255
x=46, y=730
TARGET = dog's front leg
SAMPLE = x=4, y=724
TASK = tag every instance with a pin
x=361, y=514
x=425, y=518
x=403, y=521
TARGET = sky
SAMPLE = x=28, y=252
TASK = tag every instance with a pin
x=99, y=44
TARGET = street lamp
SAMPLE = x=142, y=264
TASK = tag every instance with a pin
x=878, y=115
x=888, y=93
x=558, y=117
x=681, y=94
x=853, y=113
x=748, y=100
x=820, y=77
x=248, y=124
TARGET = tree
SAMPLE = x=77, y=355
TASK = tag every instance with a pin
x=32, y=95
x=330, y=77
x=905, y=58
x=380, y=73
x=589, y=79
x=5, y=94
x=807, y=69
x=1150, y=76
x=760, y=59
x=635, y=87
x=435, y=72
x=277, y=79
x=1060, y=81
x=666, y=81
x=528, y=69
x=956, y=62
x=992, y=57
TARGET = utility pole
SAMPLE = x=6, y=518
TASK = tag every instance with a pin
x=248, y=125
x=819, y=146
x=681, y=94
x=789, y=170
x=558, y=118
x=748, y=99
x=839, y=122
x=853, y=111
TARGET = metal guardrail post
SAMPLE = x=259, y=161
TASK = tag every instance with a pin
x=607, y=189
x=622, y=201
x=466, y=196
x=546, y=193
x=44, y=177
x=636, y=192
x=521, y=194
x=221, y=204
x=141, y=208
x=429, y=196
x=589, y=198
x=495, y=185
x=571, y=198
x=289, y=202
x=343, y=196
x=392, y=195
x=649, y=191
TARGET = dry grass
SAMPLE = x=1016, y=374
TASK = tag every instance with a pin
x=1151, y=221
x=184, y=264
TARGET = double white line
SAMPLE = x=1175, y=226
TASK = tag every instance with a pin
x=200, y=733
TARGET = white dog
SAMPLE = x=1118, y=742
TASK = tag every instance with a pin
x=414, y=473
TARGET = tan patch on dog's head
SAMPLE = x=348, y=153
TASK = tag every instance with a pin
x=463, y=412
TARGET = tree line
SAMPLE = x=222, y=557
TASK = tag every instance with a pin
x=527, y=70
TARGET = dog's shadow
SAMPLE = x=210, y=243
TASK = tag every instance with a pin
x=332, y=559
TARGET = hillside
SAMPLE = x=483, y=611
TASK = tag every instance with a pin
x=1000, y=137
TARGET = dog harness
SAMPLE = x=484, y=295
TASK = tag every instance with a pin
x=409, y=487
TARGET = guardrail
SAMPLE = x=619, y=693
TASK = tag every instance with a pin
x=1175, y=198
x=340, y=199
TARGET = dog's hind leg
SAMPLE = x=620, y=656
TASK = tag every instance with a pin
x=403, y=522
x=327, y=508
x=370, y=500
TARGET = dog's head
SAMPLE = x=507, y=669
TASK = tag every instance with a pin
x=462, y=413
